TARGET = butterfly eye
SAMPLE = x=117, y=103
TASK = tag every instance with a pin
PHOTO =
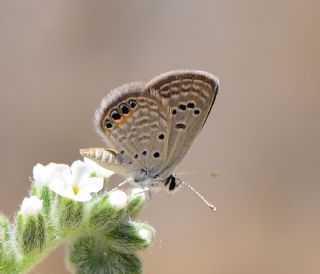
x=124, y=108
x=108, y=124
x=115, y=115
x=132, y=103
x=171, y=183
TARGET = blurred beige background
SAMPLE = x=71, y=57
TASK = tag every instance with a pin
x=58, y=59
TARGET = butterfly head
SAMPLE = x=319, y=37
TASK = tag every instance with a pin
x=172, y=184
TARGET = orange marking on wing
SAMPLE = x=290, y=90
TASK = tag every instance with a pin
x=124, y=117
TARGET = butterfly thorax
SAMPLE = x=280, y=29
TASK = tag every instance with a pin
x=156, y=183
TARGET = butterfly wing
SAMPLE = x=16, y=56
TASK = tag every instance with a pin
x=189, y=96
x=134, y=122
x=153, y=125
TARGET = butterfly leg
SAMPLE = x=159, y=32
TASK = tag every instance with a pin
x=146, y=189
x=127, y=181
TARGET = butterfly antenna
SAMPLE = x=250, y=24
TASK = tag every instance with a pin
x=210, y=205
x=193, y=172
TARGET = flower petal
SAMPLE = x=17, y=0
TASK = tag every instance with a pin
x=38, y=170
x=59, y=187
x=95, y=168
x=91, y=184
x=60, y=172
x=41, y=173
x=79, y=171
x=69, y=192
x=83, y=196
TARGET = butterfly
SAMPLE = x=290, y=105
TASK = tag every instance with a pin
x=149, y=128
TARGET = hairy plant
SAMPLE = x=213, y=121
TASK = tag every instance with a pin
x=70, y=205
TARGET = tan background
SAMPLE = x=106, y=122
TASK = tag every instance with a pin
x=58, y=58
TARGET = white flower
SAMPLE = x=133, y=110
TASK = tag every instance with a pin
x=31, y=206
x=96, y=169
x=75, y=182
x=145, y=234
x=41, y=174
x=118, y=199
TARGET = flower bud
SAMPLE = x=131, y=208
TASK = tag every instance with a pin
x=69, y=214
x=30, y=232
x=47, y=196
x=7, y=255
x=93, y=255
x=31, y=206
x=106, y=211
x=137, y=198
x=130, y=236
x=4, y=229
x=30, y=226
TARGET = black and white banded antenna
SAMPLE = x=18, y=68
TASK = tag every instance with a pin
x=210, y=205
x=194, y=172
